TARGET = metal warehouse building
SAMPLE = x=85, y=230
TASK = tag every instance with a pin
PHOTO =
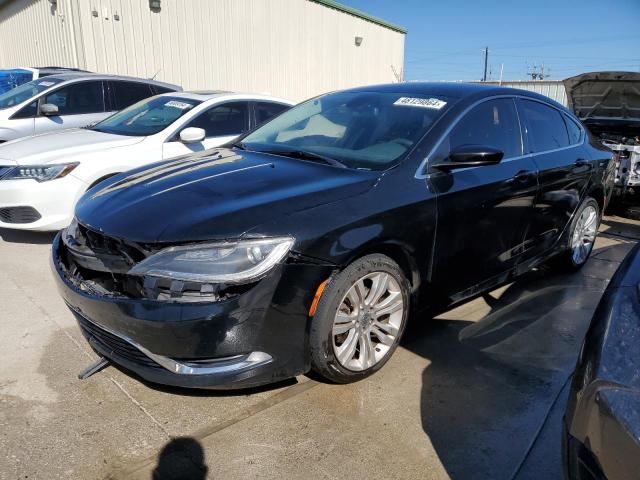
x=290, y=48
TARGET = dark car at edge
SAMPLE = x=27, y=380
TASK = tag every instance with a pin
x=306, y=244
x=602, y=419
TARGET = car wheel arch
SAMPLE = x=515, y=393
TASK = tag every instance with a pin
x=396, y=252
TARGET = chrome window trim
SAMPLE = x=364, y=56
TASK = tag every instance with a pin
x=421, y=172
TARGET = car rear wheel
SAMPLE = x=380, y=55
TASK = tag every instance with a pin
x=359, y=319
x=582, y=235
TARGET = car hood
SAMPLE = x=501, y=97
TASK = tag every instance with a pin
x=216, y=194
x=62, y=144
x=602, y=99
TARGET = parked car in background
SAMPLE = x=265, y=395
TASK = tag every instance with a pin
x=42, y=177
x=70, y=100
x=13, y=77
x=305, y=244
x=602, y=420
x=609, y=105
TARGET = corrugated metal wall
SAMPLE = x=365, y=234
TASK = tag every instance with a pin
x=34, y=33
x=291, y=48
x=551, y=88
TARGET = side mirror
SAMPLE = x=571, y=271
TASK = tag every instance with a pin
x=470, y=156
x=192, y=135
x=49, y=109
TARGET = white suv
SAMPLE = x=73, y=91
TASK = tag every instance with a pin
x=70, y=100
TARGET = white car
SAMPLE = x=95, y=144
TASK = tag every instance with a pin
x=42, y=177
x=68, y=100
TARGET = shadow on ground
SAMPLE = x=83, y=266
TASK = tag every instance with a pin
x=492, y=380
x=181, y=459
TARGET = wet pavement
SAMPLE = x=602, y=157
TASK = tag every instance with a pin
x=476, y=393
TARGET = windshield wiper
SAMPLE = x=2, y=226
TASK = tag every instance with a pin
x=238, y=145
x=304, y=155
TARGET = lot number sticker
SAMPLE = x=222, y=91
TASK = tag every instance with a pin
x=176, y=104
x=420, y=102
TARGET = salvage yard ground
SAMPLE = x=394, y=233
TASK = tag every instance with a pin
x=477, y=393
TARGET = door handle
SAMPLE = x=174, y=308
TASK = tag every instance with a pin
x=523, y=176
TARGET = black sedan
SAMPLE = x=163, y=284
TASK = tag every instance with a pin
x=602, y=421
x=304, y=245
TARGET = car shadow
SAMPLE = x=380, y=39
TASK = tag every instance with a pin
x=25, y=236
x=497, y=366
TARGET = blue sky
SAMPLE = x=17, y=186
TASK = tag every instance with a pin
x=445, y=39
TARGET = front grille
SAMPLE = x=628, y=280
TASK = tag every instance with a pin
x=111, y=343
x=4, y=170
x=19, y=215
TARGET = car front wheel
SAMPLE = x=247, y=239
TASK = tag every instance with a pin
x=359, y=319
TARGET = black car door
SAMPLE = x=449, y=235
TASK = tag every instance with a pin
x=483, y=211
x=564, y=171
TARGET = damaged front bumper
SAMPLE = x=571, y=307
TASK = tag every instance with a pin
x=254, y=337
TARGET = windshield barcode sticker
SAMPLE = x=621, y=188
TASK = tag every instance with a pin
x=420, y=102
x=176, y=104
x=46, y=84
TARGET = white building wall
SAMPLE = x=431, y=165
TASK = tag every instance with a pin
x=553, y=89
x=290, y=48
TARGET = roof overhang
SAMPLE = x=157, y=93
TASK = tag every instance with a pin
x=360, y=14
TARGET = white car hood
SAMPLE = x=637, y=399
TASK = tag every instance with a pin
x=60, y=145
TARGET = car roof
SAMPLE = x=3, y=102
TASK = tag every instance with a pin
x=205, y=95
x=66, y=76
x=457, y=90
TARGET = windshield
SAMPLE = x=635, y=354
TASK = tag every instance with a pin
x=371, y=130
x=147, y=117
x=26, y=91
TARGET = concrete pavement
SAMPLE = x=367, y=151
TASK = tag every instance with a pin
x=477, y=393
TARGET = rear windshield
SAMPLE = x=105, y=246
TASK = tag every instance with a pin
x=26, y=91
x=369, y=130
x=146, y=117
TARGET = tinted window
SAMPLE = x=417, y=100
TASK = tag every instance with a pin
x=574, y=130
x=493, y=123
x=124, y=94
x=146, y=117
x=227, y=119
x=361, y=129
x=266, y=110
x=158, y=90
x=30, y=111
x=25, y=91
x=82, y=97
x=546, y=129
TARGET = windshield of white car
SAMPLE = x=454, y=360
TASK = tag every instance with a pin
x=24, y=92
x=359, y=129
x=146, y=117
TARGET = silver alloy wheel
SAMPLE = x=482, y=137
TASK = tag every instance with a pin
x=584, y=234
x=368, y=321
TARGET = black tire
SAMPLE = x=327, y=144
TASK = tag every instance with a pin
x=321, y=340
x=566, y=261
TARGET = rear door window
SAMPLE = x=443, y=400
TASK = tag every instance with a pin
x=124, y=94
x=575, y=132
x=78, y=98
x=265, y=110
x=222, y=120
x=545, y=127
x=493, y=123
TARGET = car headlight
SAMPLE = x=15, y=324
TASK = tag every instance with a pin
x=40, y=173
x=230, y=262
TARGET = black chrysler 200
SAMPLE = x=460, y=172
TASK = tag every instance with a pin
x=304, y=245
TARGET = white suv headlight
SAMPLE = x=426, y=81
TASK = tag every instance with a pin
x=229, y=262
x=40, y=173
